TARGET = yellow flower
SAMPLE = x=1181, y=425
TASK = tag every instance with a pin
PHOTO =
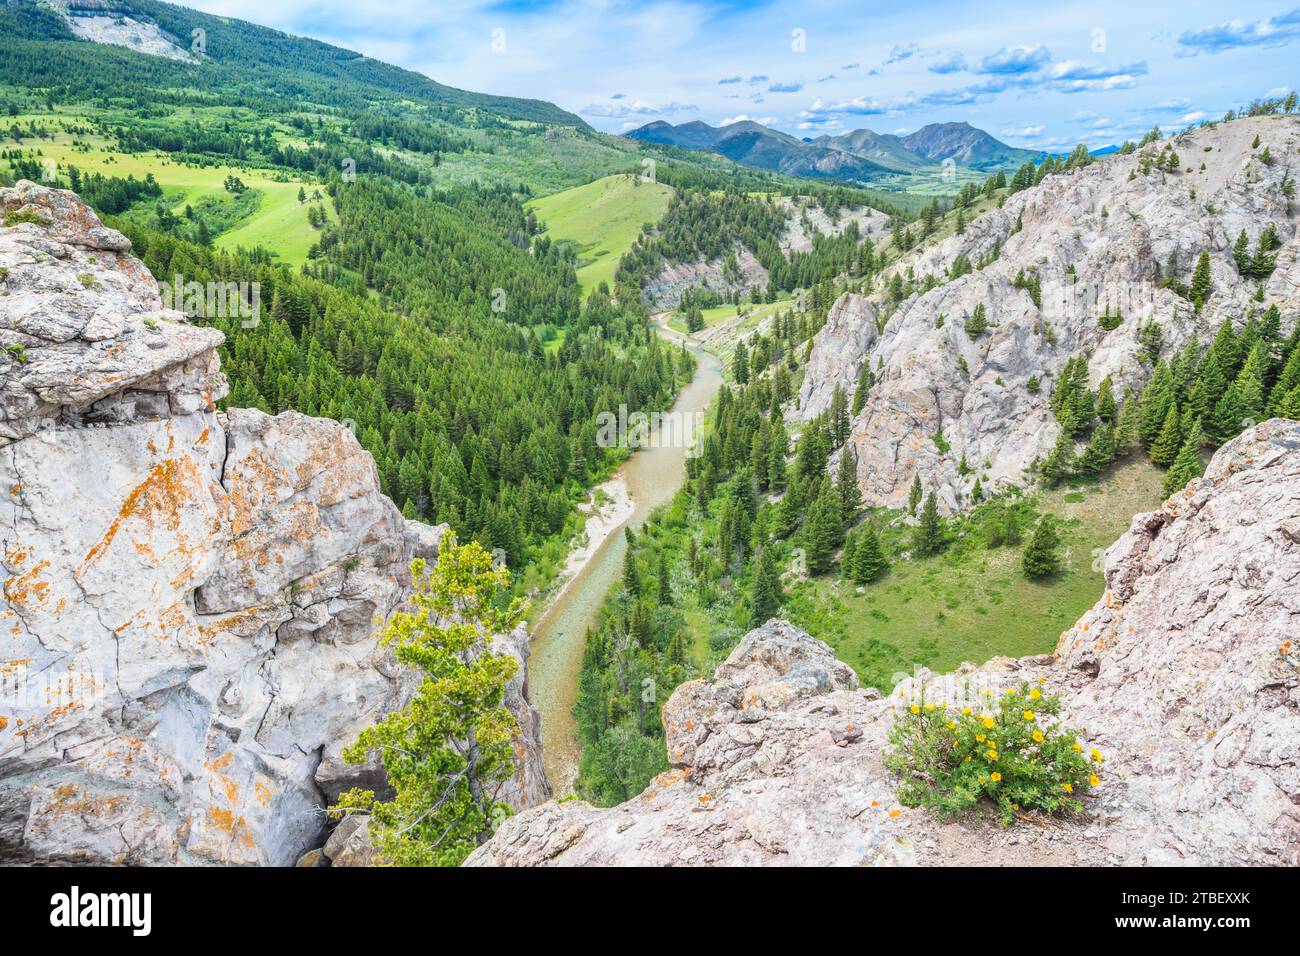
x=1094, y=779
x=1029, y=715
x=992, y=755
x=965, y=710
x=979, y=739
x=967, y=760
x=995, y=776
x=1096, y=755
x=1068, y=788
x=915, y=709
x=951, y=725
x=1035, y=694
x=1038, y=736
x=1078, y=747
x=989, y=723
x=894, y=813
x=981, y=781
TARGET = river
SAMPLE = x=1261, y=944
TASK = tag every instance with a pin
x=653, y=475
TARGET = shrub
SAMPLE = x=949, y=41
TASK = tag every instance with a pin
x=17, y=218
x=1011, y=755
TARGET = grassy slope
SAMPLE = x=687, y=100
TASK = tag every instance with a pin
x=604, y=218
x=972, y=604
x=279, y=224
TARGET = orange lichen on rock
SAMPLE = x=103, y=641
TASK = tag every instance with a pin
x=26, y=589
x=220, y=763
x=236, y=827
x=160, y=498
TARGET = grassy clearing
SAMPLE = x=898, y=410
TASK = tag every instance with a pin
x=602, y=218
x=972, y=603
x=279, y=221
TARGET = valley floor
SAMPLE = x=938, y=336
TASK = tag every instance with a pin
x=972, y=603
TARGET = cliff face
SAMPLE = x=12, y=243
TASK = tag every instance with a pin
x=1096, y=238
x=190, y=596
x=1178, y=675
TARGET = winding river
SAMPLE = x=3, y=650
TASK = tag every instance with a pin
x=653, y=475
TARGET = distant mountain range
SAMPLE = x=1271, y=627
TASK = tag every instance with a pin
x=862, y=154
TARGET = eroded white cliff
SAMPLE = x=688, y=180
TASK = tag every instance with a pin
x=190, y=596
x=1095, y=238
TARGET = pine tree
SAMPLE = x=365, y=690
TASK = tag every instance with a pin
x=767, y=596
x=665, y=595
x=978, y=322
x=447, y=752
x=869, y=561
x=863, y=387
x=914, y=495
x=822, y=530
x=927, y=537
x=1106, y=407
x=846, y=488
x=740, y=363
x=1059, y=463
x=1241, y=253
x=839, y=417
x=1289, y=405
x=1126, y=430
x=1040, y=558
x=1188, y=463
x=631, y=578
x=1201, y=285
x=1165, y=448
x=1153, y=407
x=1228, y=419
x=1100, y=451
x=1287, y=380
x=1250, y=382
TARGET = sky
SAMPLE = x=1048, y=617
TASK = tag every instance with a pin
x=1042, y=74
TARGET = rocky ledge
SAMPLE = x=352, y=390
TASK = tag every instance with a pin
x=1178, y=675
x=1095, y=239
x=190, y=595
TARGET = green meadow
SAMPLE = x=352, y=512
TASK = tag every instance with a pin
x=602, y=219
x=972, y=603
x=278, y=222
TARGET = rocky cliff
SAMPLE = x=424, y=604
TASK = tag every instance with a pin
x=806, y=220
x=1094, y=238
x=1183, y=675
x=190, y=595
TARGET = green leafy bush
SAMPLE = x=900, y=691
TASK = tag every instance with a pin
x=1010, y=753
x=22, y=216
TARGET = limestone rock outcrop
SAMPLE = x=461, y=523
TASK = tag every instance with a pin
x=190, y=595
x=1099, y=237
x=1181, y=675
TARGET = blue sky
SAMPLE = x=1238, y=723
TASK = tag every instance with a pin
x=1038, y=74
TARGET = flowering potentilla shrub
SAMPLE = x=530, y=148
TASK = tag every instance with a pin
x=1009, y=751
